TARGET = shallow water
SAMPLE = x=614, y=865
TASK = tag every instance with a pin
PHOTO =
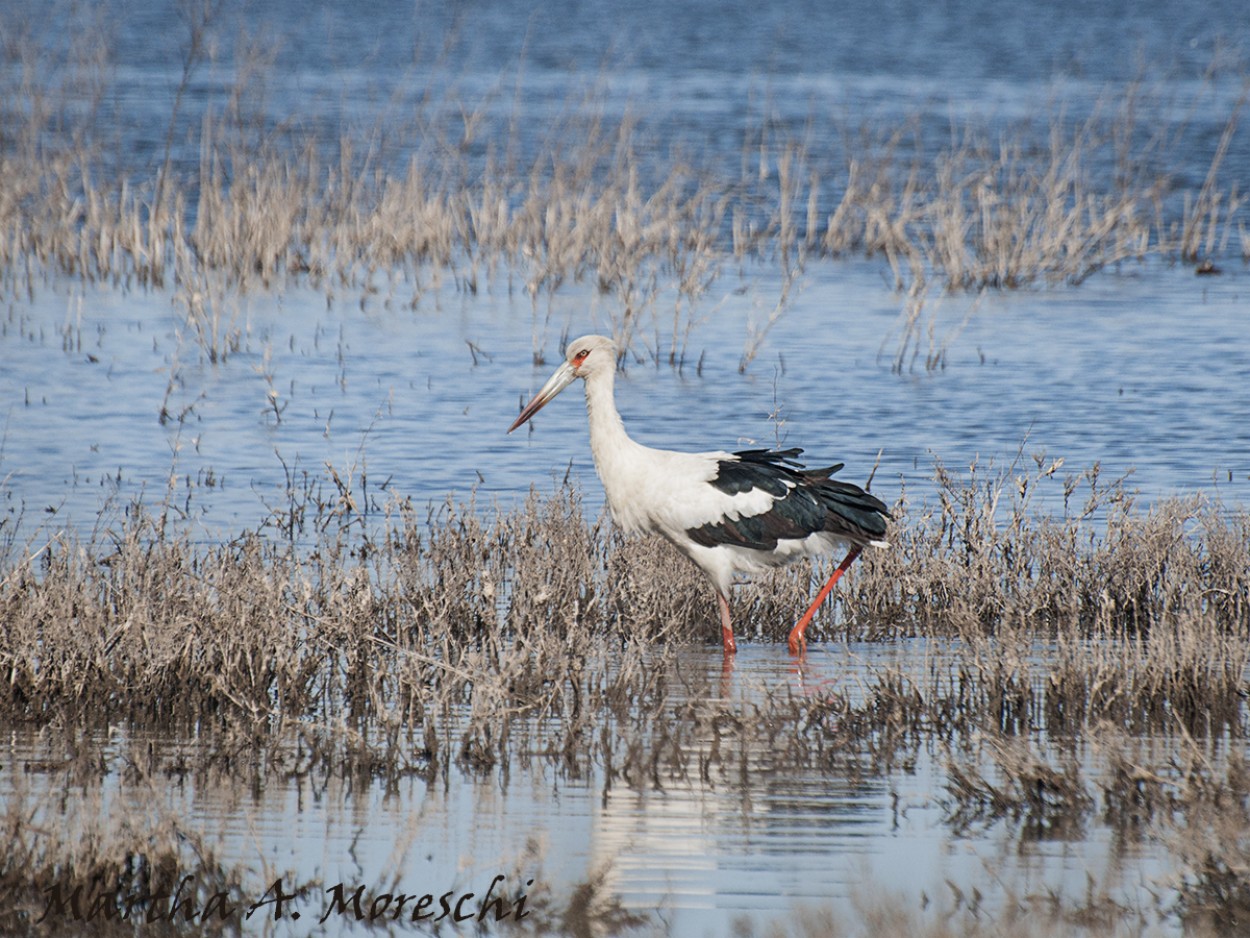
x=1145, y=372
x=749, y=840
x=692, y=74
x=1142, y=369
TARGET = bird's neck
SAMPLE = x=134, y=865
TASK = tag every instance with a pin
x=607, y=431
x=624, y=467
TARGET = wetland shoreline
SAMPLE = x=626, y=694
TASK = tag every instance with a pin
x=462, y=646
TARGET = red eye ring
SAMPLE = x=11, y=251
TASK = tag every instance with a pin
x=580, y=357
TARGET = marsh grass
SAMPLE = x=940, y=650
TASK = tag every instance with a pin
x=461, y=640
x=238, y=199
x=374, y=639
x=337, y=605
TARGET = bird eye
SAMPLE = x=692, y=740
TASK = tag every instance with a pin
x=580, y=357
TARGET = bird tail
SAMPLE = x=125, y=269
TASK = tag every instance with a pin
x=852, y=513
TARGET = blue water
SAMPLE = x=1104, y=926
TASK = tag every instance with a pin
x=1146, y=373
x=1144, y=369
x=701, y=78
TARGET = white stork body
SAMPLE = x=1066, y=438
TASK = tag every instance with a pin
x=728, y=512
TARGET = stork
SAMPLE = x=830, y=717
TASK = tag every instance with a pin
x=728, y=512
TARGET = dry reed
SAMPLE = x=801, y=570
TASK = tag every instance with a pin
x=469, y=641
x=1139, y=616
x=264, y=203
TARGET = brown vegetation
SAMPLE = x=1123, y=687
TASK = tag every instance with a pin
x=1137, y=616
x=966, y=208
x=460, y=640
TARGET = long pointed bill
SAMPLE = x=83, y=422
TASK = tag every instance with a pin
x=562, y=378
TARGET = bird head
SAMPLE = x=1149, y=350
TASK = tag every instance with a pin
x=583, y=357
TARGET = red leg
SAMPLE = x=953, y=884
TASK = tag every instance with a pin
x=726, y=629
x=798, y=644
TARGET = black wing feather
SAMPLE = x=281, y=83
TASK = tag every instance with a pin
x=806, y=501
x=757, y=469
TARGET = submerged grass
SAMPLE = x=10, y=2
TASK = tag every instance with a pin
x=250, y=200
x=452, y=639
x=1138, y=616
